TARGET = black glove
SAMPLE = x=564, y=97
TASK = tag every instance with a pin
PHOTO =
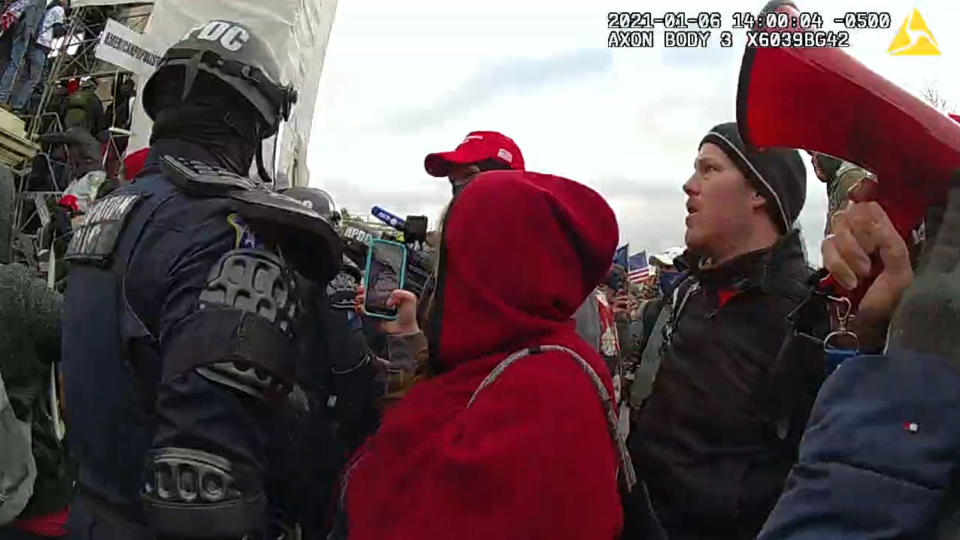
x=348, y=346
x=927, y=319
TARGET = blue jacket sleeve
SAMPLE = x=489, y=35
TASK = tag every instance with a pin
x=178, y=250
x=876, y=459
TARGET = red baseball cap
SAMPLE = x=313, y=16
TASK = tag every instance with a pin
x=478, y=146
x=69, y=202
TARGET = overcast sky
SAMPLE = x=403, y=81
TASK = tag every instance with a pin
x=402, y=79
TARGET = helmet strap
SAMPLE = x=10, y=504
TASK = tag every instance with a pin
x=261, y=169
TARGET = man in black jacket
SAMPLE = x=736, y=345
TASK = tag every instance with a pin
x=84, y=155
x=718, y=430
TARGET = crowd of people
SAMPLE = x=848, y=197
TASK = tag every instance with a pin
x=221, y=378
x=29, y=28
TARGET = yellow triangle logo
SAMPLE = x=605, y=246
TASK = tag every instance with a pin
x=914, y=38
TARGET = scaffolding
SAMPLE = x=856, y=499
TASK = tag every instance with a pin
x=35, y=239
x=74, y=54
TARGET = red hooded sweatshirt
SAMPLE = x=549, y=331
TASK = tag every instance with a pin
x=532, y=456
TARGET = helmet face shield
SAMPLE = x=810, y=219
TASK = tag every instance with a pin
x=315, y=199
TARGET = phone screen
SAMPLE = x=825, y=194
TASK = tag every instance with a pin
x=385, y=272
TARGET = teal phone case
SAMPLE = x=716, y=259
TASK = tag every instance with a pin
x=366, y=274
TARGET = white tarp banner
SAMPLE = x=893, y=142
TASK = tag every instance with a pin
x=84, y=3
x=296, y=31
x=127, y=49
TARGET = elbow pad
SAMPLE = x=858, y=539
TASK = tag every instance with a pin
x=242, y=334
x=195, y=494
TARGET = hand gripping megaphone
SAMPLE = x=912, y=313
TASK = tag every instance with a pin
x=821, y=99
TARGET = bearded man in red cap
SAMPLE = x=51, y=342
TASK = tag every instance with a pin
x=480, y=151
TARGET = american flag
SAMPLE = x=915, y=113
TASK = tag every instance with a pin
x=638, y=270
x=620, y=256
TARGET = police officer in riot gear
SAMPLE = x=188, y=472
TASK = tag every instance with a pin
x=185, y=312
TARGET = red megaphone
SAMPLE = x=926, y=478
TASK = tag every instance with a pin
x=821, y=99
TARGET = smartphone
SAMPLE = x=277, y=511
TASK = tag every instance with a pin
x=385, y=273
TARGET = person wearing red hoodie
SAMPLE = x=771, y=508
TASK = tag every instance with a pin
x=497, y=444
x=483, y=151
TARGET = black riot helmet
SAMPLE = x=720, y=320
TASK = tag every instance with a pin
x=315, y=199
x=231, y=53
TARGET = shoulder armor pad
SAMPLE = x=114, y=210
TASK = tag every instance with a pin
x=310, y=242
x=204, y=179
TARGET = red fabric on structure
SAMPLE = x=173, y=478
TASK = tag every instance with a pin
x=69, y=202
x=7, y=20
x=53, y=525
x=133, y=163
x=532, y=457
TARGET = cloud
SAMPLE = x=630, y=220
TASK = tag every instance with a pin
x=651, y=219
x=359, y=199
x=405, y=79
x=491, y=81
x=712, y=57
x=628, y=189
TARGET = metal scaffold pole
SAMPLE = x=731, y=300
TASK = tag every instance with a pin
x=61, y=55
x=72, y=64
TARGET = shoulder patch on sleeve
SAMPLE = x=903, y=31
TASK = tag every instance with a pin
x=94, y=240
x=244, y=236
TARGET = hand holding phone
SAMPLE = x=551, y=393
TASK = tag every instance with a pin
x=385, y=273
x=406, y=304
